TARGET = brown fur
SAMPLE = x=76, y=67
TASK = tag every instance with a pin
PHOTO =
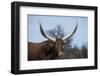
x=41, y=51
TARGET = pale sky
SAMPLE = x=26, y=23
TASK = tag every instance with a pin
x=49, y=22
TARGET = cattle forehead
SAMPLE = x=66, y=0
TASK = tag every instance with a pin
x=59, y=41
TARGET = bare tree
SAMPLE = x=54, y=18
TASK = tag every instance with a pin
x=84, y=51
x=58, y=32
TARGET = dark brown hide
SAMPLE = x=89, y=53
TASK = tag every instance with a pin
x=41, y=51
x=59, y=47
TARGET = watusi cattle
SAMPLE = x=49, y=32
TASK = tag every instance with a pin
x=49, y=49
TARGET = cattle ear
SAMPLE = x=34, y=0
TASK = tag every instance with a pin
x=51, y=43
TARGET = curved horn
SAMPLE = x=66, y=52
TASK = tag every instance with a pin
x=45, y=35
x=70, y=34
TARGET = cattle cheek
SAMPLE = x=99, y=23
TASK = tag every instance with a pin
x=55, y=54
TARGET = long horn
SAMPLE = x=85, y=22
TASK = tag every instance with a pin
x=45, y=35
x=70, y=34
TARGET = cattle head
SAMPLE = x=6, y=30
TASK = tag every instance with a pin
x=58, y=43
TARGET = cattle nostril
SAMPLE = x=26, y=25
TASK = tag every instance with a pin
x=60, y=54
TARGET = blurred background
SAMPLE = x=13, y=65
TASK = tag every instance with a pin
x=58, y=27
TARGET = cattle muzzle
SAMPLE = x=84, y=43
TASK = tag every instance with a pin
x=60, y=54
